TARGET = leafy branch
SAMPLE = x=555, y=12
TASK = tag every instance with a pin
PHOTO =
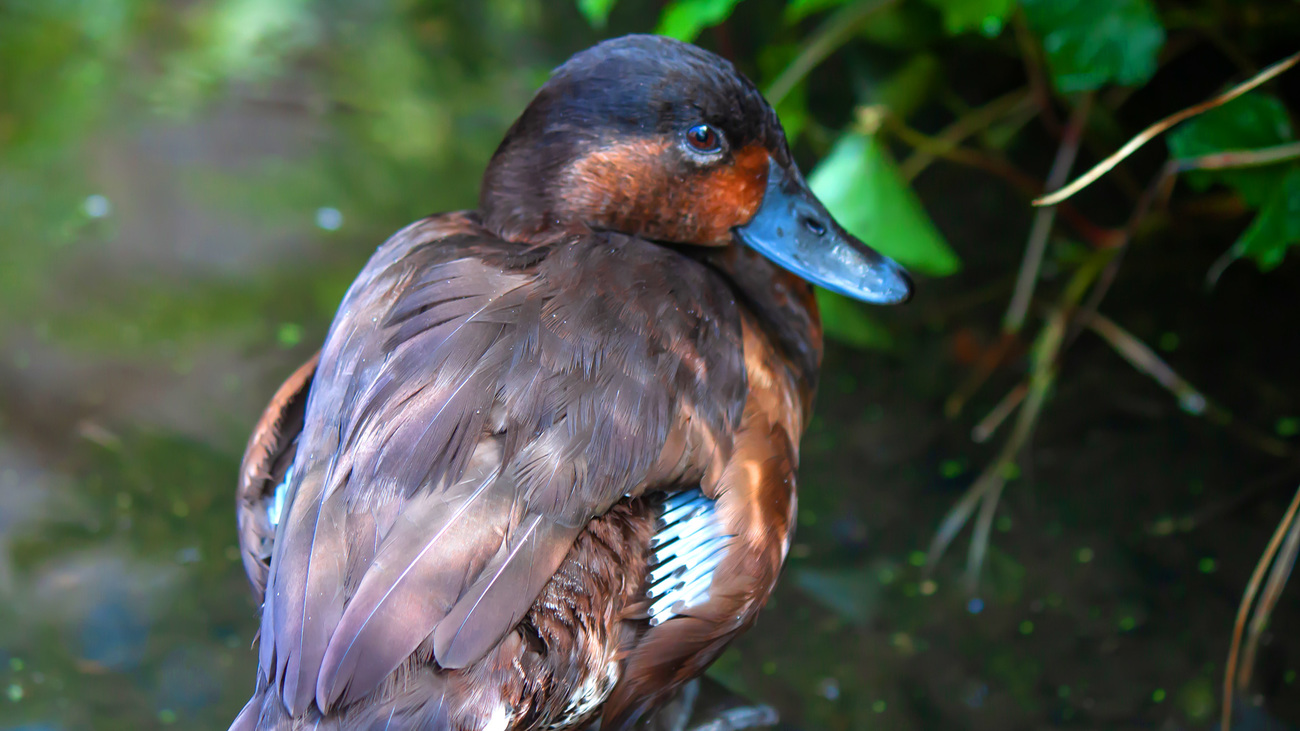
x=1082, y=59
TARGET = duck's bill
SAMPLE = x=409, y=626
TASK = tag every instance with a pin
x=794, y=231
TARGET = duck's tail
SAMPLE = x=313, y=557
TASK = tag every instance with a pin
x=265, y=712
x=422, y=707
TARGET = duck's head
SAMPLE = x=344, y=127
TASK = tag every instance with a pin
x=662, y=140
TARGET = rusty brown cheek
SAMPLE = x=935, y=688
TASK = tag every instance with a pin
x=634, y=187
x=729, y=195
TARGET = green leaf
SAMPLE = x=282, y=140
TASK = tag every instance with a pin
x=985, y=16
x=1090, y=43
x=596, y=11
x=684, y=19
x=846, y=321
x=1251, y=122
x=861, y=188
x=797, y=10
x=1277, y=227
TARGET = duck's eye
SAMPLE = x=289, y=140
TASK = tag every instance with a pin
x=703, y=138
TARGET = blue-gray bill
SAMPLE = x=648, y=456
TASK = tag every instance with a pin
x=796, y=232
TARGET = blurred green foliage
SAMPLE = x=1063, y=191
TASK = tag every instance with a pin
x=1254, y=121
x=1092, y=43
x=1087, y=44
x=684, y=19
x=596, y=11
x=985, y=16
x=401, y=112
x=861, y=188
x=412, y=98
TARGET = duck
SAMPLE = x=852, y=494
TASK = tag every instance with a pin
x=542, y=470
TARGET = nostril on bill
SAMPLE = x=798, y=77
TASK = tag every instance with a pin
x=813, y=225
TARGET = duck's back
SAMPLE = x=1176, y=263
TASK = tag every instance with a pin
x=467, y=529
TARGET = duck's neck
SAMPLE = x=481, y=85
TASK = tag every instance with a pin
x=784, y=306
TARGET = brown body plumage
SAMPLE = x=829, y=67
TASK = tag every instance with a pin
x=474, y=468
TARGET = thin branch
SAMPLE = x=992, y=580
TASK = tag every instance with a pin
x=984, y=430
x=1277, y=578
x=1097, y=236
x=1146, y=361
x=1243, y=610
x=935, y=147
x=1051, y=343
x=829, y=36
x=987, y=488
x=1123, y=179
x=1157, y=196
x=1156, y=129
x=979, y=539
x=1239, y=158
x=963, y=127
x=1235, y=159
x=1042, y=92
x=1157, y=193
x=989, y=480
x=1043, y=220
x=988, y=363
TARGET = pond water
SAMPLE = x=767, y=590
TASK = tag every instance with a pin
x=185, y=192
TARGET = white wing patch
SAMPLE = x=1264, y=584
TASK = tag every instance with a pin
x=276, y=509
x=688, y=546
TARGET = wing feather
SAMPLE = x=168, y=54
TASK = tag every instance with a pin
x=404, y=417
x=504, y=593
x=476, y=404
x=437, y=545
x=307, y=602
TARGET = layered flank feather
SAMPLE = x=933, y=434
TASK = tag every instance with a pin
x=521, y=568
x=737, y=543
x=472, y=411
x=499, y=391
x=432, y=551
x=416, y=393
